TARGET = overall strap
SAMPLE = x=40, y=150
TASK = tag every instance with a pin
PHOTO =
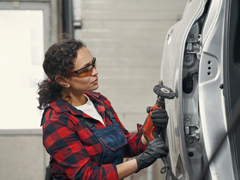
x=109, y=113
x=91, y=122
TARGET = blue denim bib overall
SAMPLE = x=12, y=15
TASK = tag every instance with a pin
x=113, y=142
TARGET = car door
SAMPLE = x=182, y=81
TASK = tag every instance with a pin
x=201, y=63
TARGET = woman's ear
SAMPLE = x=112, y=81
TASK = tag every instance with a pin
x=63, y=81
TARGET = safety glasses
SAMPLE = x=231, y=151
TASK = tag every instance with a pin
x=86, y=71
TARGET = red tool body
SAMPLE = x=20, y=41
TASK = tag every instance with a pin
x=149, y=131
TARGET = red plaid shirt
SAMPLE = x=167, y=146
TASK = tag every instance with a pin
x=75, y=153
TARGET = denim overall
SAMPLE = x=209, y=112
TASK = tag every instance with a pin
x=113, y=141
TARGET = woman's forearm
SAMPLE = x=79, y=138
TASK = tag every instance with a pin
x=127, y=168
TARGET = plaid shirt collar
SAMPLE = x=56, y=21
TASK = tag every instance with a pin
x=61, y=105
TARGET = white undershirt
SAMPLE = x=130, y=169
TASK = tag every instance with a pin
x=90, y=110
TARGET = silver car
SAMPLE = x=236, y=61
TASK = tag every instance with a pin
x=201, y=63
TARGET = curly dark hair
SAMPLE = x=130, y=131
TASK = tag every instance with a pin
x=59, y=60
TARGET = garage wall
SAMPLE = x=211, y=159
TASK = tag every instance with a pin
x=127, y=37
x=22, y=155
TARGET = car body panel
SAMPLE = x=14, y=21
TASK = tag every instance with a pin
x=197, y=120
x=213, y=120
x=174, y=52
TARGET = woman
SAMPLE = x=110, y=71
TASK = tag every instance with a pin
x=81, y=131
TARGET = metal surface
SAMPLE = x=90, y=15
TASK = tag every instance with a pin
x=194, y=48
x=171, y=76
x=213, y=119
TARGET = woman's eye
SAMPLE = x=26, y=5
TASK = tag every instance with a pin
x=86, y=69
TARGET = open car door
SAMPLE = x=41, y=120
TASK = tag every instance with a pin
x=201, y=63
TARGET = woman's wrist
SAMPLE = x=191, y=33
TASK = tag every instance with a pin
x=144, y=141
x=127, y=168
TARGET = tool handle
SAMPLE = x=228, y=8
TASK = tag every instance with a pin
x=148, y=130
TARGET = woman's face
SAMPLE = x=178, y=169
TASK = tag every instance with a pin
x=83, y=84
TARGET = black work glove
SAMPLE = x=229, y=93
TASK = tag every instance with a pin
x=160, y=118
x=155, y=149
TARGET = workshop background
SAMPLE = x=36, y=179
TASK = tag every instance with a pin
x=126, y=37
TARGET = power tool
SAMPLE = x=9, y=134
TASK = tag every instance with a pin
x=148, y=130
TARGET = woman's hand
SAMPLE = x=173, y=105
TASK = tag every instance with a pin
x=160, y=118
x=156, y=149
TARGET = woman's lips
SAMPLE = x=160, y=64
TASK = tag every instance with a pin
x=95, y=81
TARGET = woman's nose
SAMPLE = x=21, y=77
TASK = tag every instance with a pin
x=95, y=72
